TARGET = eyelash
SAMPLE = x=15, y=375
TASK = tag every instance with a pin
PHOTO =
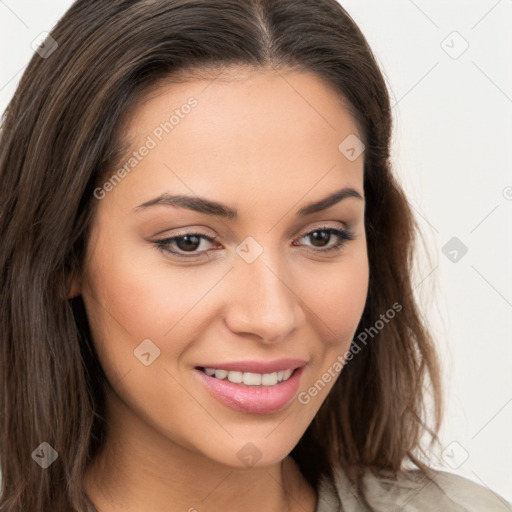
x=343, y=237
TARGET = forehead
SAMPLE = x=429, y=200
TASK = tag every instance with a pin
x=248, y=131
x=260, y=102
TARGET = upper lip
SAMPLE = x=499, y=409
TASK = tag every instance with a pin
x=257, y=366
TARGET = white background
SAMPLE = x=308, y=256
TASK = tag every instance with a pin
x=452, y=151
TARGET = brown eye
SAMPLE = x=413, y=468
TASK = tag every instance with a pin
x=186, y=243
x=321, y=237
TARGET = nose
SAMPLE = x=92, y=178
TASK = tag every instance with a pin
x=262, y=302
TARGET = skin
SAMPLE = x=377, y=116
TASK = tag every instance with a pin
x=265, y=143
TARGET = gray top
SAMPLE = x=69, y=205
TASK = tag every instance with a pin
x=448, y=493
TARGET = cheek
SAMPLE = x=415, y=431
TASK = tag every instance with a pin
x=140, y=292
x=339, y=298
x=340, y=304
x=130, y=298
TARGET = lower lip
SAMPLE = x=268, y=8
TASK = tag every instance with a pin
x=253, y=399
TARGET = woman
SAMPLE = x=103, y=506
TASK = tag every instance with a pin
x=206, y=297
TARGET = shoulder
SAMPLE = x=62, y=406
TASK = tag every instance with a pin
x=470, y=495
x=411, y=491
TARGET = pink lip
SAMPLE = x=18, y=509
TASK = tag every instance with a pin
x=256, y=366
x=252, y=399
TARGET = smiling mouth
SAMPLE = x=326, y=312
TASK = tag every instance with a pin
x=249, y=378
x=253, y=392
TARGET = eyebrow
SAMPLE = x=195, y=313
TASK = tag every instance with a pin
x=214, y=208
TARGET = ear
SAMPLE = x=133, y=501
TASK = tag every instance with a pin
x=74, y=287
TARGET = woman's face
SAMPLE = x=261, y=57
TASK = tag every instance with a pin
x=269, y=294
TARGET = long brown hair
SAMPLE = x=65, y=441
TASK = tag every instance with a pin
x=60, y=136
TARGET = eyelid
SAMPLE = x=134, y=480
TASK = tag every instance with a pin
x=322, y=225
x=344, y=235
x=297, y=233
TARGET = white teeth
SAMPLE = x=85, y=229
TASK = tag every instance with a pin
x=250, y=378
x=221, y=374
x=269, y=379
x=234, y=377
